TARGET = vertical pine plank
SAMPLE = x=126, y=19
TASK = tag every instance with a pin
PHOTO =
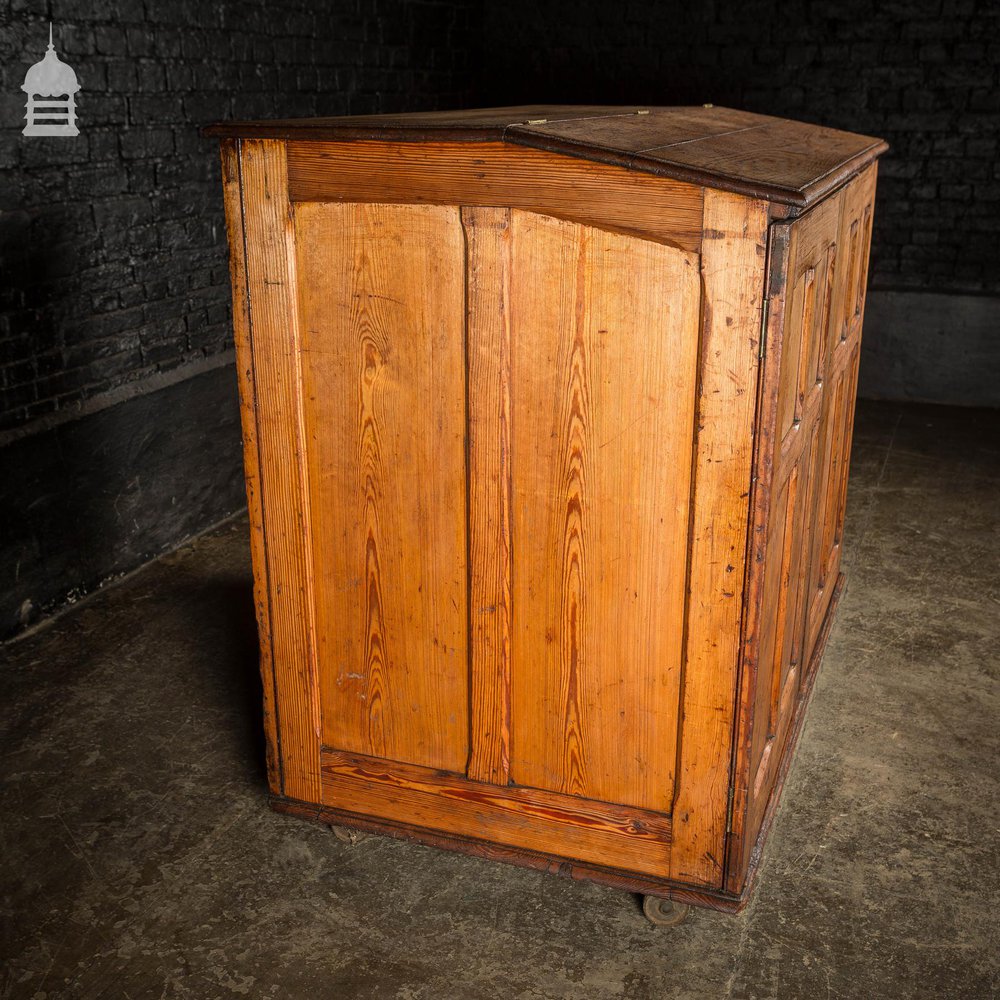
x=381, y=303
x=732, y=270
x=274, y=334
x=488, y=249
x=604, y=345
x=251, y=465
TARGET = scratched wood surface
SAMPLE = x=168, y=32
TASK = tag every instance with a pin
x=799, y=510
x=842, y=357
x=488, y=273
x=381, y=297
x=487, y=174
x=603, y=363
x=544, y=548
x=753, y=155
x=251, y=461
x=627, y=838
x=794, y=480
x=281, y=445
x=732, y=272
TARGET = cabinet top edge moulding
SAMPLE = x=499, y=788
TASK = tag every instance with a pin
x=785, y=162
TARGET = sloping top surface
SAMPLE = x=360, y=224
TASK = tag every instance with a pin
x=784, y=161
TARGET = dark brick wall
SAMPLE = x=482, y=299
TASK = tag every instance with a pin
x=112, y=244
x=119, y=426
x=113, y=276
x=924, y=74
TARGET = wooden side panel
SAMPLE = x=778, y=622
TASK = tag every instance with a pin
x=604, y=332
x=843, y=347
x=793, y=474
x=488, y=262
x=382, y=296
x=777, y=683
x=732, y=272
x=251, y=463
x=809, y=461
x=494, y=173
x=579, y=829
x=799, y=503
x=276, y=373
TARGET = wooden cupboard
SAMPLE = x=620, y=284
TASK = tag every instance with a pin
x=547, y=417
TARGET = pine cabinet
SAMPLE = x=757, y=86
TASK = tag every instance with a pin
x=547, y=418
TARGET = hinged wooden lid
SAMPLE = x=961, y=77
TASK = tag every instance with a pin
x=783, y=161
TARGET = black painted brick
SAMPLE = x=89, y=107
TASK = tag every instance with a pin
x=924, y=74
x=125, y=223
x=112, y=244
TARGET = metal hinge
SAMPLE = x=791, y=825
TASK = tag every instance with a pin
x=729, y=809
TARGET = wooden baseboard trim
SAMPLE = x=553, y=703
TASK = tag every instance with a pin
x=726, y=902
x=626, y=837
x=550, y=863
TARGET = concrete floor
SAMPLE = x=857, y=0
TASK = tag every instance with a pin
x=139, y=858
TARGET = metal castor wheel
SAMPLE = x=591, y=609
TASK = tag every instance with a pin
x=346, y=835
x=664, y=912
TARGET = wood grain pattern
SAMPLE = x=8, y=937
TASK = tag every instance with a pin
x=546, y=541
x=604, y=335
x=544, y=861
x=488, y=270
x=799, y=503
x=251, y=462
x=753, y=155
x=740, y=877
x=732, y=273
x=275, y=347
x=788, y=162
x=583, y=829
x=485, y=174
x=381, y=293
x=550, y=861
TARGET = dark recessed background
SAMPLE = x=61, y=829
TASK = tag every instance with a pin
x=118, y=419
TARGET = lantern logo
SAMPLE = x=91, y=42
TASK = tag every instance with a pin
x=51, y=87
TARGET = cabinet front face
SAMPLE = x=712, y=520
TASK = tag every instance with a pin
x=477, y=439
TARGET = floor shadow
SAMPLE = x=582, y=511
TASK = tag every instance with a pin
x=218, y=663
x=240, y=666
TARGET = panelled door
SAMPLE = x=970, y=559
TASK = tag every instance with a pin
x=820, y=336
x=497, y=456
x=599, y=359
x=473, y=428
x=512, y=621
